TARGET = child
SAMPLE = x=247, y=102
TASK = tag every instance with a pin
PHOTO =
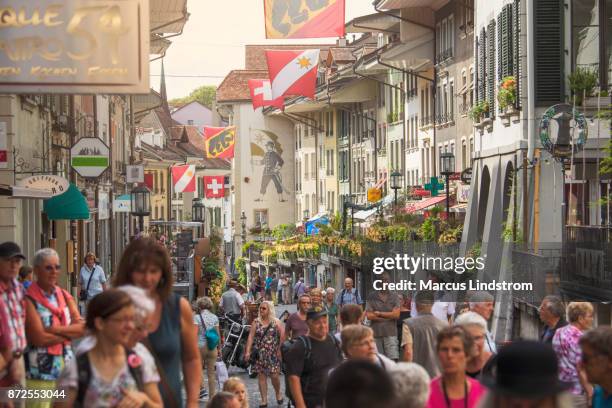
x=237, y=387
x=25, y=276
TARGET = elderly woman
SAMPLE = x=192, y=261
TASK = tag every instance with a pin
x=454, y=388
x=331, y=308
x=263, y=344
x=205, y=320
x=411, y=385
x=92, y=280
x=110, y=374
x=478, y=362
x=358, y=343
x=566, y=345
x=316, y=298
x=172, y=339
x=52, y=321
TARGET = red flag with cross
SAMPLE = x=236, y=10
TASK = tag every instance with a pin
x=261, y=94
x=214, y=186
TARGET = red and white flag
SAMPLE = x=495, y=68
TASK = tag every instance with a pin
x=293, y=72
x=214, y=186
x=148, y=180
x=304, y=19
x=261, y=94
x=183, y=179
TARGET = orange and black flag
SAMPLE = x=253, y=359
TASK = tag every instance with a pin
x=219, y=142
x=304, y=18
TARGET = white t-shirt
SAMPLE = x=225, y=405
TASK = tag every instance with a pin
x=442, y=310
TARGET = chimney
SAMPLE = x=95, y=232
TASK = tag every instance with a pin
x=341, y=42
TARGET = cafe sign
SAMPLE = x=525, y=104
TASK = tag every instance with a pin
x=55, y=184
x=74, y=46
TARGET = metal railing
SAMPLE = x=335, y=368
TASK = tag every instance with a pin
x=444, y=118
x=426, y=121
x=444, y=56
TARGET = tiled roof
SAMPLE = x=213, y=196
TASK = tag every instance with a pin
x=255, y=55
x=235, y=86
x=165, y=119
x=342, y=55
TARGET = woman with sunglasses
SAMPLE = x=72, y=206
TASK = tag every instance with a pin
x=52, y=322
x=110, y=374
x=264, y=350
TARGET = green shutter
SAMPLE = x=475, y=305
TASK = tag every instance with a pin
x=490, y=62
x=505, y=43
x=516, y=45
x=549, y=32
x=482, y=68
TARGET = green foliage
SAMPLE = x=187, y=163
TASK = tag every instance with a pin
x=283, y=231
x=240, y=264
x=475, y=251
x=582, y=83
x=478, y=111
x=508, y=234
x=392, y=117
x=506, y=96
x=427, y=231
x=205, y=95
x=251, y=244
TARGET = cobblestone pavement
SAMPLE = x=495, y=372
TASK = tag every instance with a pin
x=251, y=383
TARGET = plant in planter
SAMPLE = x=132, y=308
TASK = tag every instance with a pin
x=506, y=96
x=478, y=111
x=582, y=83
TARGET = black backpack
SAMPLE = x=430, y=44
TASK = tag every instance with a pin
x=342, y=296
x=84, y=375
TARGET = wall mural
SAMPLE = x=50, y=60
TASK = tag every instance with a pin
x=267, y=152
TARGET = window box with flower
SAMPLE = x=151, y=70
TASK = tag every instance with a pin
x=506, y=97
x=480, y=116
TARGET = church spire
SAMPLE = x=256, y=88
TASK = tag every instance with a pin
x=162, y=88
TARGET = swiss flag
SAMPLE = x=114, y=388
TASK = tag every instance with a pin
x=293, y=72
x=183, y=179
x=261, y=94
x=214, y=186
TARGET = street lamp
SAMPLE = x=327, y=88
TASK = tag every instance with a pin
x=197, y=212
x=243, y=229
x=140, y=200
x=306, y=216
x=396, y=184
x=447, y=167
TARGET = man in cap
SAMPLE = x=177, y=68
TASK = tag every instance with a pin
x=527, y=376
x=272, y=163
x=309, y=361
x=12, y=314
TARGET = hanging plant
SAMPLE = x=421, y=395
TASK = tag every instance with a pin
x=506, y=95
x=582, y=83
x=478, y=111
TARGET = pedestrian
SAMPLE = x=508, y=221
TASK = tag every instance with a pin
x=453, y=388
x=316, y=298
x=173, y=337
x=596, y=348
x=383, y=310
x=274, y=289
x=92, y=280
x=237, y=387
x=296, y=325
x=358, y=343
x=207, y=324
x=263, y=349
x=552, y=314
x=411, y=383
x=299, y=288
x=52, y=322
x=419, y=335
x=330, y=306
x=25, y=276
x=482, y=303
x=287, y=290
x=12, y=312
x=232, y=303
x=224, y=399
x=349, y=294
x=309, y=361
x=257, y=288
x=480, y=360
x=279, y=289
x=526, y=376
x=360, y=384
x=349, y=314
x=268, y=287
x=110, y=374
x=444, y=308
x=566, y=345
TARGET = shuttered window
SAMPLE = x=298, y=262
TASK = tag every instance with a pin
x=490, y=64
x=481, y=68
x=505, y=55
x=516, y=48
x=549, y=32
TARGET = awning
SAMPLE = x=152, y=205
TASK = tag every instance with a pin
x=158, y=45
x=374, y=22
x=71, y=205
x=23, y=192
x=181, y=224
x=167, y=16
x=365, y=214
x=423, y=204
x=459, y=208
x=400, y=4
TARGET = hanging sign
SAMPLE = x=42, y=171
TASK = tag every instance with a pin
x=122, y=204
x=74, y=46
x=55, y=184
x=374, y=195
x=3, y=146
x=135, y=174
x=466, y=176
x=89, y=157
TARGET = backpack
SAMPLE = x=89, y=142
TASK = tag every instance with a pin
x=211, y=335
x=344, y=292
x=84, y=375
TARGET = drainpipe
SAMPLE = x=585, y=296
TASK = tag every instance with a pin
x=530, y=82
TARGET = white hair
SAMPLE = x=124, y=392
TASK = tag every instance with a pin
x=411, y=384
x=471, y=319
x=42, y=254
x=143, y=304
x=330, y=289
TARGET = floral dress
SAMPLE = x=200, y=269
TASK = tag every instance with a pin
x=267, y=343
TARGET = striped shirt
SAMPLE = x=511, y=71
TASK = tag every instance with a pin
x=12, y=295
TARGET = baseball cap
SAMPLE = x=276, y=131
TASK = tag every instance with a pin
x=314, y=314
x=10, y=250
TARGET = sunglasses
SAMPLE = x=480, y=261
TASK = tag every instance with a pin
x=53, y=267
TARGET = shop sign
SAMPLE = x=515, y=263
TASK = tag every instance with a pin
x=74, y=46
x=89, y=157
x=135, y=174
x=3, y=146
x=374, y=195
x=103, y=205
x=463, y=193
x=122, y=204
x=55, y=184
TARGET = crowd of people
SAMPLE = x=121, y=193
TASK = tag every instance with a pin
x=132, y=342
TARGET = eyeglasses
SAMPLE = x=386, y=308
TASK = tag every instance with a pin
x=53, y=267
x=122, y=320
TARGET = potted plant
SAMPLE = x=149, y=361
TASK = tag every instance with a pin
x=506, y=95
x=582, y=83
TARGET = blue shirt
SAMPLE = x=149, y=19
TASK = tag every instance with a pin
x=98, y=279
x=600, y=400
x=268, y=282
x=348, y=297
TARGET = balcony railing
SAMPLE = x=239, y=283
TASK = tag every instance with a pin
x=588, y=234
x=444, y=118
x=412, y=93
x=464, y=109
x=444, y=56
x=426, y=121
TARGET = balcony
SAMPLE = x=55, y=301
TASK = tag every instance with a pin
x=464, y=109
x=444, y=56
x=444, y=118
x=426, y=121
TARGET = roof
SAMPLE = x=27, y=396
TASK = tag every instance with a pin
x=165, y=119
x=235, y=86
x=187, y=141
x=374, y=23
x=184, y=105
x=157, y=153
x=341, y=55
x=255, y=55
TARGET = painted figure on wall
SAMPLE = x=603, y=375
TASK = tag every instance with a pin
x=266, y=148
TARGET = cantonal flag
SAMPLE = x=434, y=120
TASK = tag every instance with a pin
x=304, y=18
x=261, y=94
x=148, y=180
x=183, y=179
x=214, y=186
x=293, y=72
x=219, y=142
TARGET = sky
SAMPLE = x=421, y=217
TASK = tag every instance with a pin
x=212, y=43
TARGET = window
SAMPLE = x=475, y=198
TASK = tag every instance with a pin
x=463, y=155
x=451, y=101
x=313, y=166
x=471, y=150
x=592, y=34
x=261, y=218
x=314, y=205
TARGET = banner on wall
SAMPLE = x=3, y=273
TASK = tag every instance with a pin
x=304, y=18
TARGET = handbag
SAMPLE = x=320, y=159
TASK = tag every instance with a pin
x=211, y=335
x=255, y=352
x=222, y=374
x=84, y=293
